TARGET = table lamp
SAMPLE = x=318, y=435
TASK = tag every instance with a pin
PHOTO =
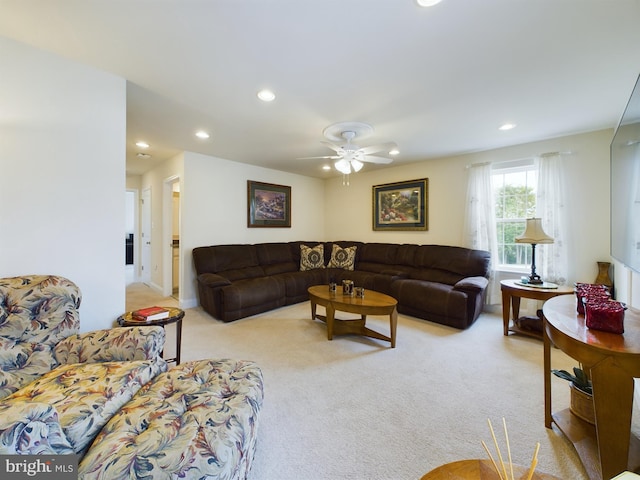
x=534, y=234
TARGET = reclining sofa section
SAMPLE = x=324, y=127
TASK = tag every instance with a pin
x=443, y=284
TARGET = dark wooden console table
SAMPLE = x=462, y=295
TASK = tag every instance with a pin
x=609, y=447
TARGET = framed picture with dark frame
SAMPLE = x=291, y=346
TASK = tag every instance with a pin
x=401, y=205
x=268, y=205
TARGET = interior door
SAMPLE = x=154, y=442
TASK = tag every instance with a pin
x=145, y=236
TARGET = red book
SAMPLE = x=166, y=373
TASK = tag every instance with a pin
x=150, y=313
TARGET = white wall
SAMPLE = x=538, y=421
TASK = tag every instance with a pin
x=62, y=158
x=587, y=190
x=213, y=202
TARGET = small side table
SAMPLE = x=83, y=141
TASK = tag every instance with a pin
x=478, y=470
x=175, y=316
x=512, y=292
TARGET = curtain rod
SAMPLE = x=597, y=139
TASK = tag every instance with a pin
x=541, y=155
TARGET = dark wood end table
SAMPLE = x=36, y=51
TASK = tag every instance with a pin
x=175, y=316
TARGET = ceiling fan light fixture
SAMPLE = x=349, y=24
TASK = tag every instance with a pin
x=343, y=166
x=356, y=165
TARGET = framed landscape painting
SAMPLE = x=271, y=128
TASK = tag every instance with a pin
x=268, y=205
x=401, y=206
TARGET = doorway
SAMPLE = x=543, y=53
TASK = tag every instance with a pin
x=130, y=237
x=171, y=236
x=175, y=241
x=145, y=236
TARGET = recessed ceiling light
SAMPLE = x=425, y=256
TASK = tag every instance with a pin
x=266, y=95
x=202, y=134
x=427, y=3
x=507, y=126
x=142, y=144
x=143, y=155
x=395, y=151
x=326, y=167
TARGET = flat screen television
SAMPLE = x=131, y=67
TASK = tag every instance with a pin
x=625, y=185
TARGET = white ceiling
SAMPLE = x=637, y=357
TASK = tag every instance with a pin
x=437, y=81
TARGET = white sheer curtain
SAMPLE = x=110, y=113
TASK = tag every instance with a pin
x=480, y=221
x=551, y=259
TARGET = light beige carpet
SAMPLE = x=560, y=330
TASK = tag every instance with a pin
x=353, y=408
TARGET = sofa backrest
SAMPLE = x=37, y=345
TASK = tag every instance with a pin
x=36, y=312
x=447, y=264
x=234, y=262
x=276, y=258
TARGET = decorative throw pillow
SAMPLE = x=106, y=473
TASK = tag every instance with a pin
x=311, y=258
x=342, y=257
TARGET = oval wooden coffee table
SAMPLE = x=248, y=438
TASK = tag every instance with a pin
x=373, y=303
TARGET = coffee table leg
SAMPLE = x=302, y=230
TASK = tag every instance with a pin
x=313, y=310
x=394, y=323
x=331, y=312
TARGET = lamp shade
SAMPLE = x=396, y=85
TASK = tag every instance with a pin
x=533, y=233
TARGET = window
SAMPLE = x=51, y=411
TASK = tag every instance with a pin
x=514, y=193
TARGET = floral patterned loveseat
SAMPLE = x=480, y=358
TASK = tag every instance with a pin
x=59, y=390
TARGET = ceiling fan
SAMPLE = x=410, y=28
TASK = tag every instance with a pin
x=349, y=156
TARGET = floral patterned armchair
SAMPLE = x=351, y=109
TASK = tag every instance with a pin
x=39, y=324
x=58, y=387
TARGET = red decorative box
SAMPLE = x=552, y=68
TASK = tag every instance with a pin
x=590, y=290
x=607, y=315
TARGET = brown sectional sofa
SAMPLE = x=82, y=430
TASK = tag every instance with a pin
x=443, y=284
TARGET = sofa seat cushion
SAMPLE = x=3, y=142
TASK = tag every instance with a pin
x=197, y=420
x=436, y=276
x=438, y=299
x=85, y=395
x=369, y=280
x=297, y=283
x=247, y=293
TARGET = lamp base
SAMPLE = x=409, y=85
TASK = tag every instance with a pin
x=534, y=279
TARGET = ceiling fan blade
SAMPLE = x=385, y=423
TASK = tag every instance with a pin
x=331, y=157
x=374, y=159
x=382, y=147
x=332, y=146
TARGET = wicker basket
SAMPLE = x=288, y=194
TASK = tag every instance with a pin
x=582, y=405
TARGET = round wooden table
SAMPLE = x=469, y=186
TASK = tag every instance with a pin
x=175, y=316
x=613, y=360
x=479, y=470
x=513, y=291
x=373, y=303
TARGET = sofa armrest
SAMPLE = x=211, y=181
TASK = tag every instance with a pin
x=212, y=280
x=31, y=428
x=112, y=345
x=472, y=284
